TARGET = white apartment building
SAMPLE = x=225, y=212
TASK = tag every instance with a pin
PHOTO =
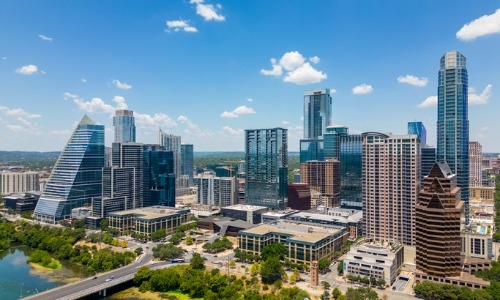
x=18, y=182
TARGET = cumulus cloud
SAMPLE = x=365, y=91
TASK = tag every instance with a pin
x=249, y=99
x=120, y=102
x=430, y=101
x=298, y=70
x=155, y=121
x=16, y=128
x=17, y=112
x=232, y=131
x=240, y=110
x=95, y=105
x=333, y=91
x=413, y=80
x=208, y=11
x=483, y=98
x=362, y=89
x=27, y=70
x=45, y=38
x=178, y=25
x=484, y=25
x=121, y=85
x=285, y=122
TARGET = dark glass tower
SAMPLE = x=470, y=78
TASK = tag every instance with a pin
x=187, y=160
x=266, y=168
x=77, y=174
x=124, y=123
x=453, y=122
x=317, y=113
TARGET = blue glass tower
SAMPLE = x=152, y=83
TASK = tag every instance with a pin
x=418, y=128
x=77, y=174
x=317, y=113
x=453, y=122
x=124, y=123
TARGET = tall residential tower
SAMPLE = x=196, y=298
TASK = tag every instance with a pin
x=124, y=123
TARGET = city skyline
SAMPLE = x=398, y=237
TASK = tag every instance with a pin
x=209, y=70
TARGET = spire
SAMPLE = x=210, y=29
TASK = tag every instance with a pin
x=86, y=121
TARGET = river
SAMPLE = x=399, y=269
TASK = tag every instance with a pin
x=18, y=279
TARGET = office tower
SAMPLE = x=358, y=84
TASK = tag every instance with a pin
x=438, y=213
x=173, y=143
x=317, y=113
x=219, y=191
x=391, y=181
x=418, y=128
x=311, y=149
x=475, y=164
x=348, y=149
x=187, y=160
x=159, y=177
x=124, y=123
x=18, y=182
x=77, y=174
x=266, y=167
x=299, y=196
x=323, y=177
x=130, y=155
x=453, y=122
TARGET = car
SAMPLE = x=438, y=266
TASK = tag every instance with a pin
x=109, y=279
x=112, y=277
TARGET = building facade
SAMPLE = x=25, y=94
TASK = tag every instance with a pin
x=77, y=174
x=391, y=182
x=475, y=164
x=317, y=113
x=438, y=211
x=453, y=120
x=124, y=123
x=266, y=167
x=418, y=128
x=212, y=190
x=187, y=160
x=324, y=177
x=299, y=196
x=18, y=182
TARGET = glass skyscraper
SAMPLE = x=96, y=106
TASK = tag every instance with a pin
x=418, y=128
x=124, y=123
x=453, y=122
x=266, y=167
x=317, y=113
x=77, y=174
x=187, y=160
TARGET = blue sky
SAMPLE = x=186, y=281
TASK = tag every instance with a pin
x=208, y=70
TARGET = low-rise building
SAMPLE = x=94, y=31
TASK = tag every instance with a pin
x=304, y=243
x=147, y=220
x=378, y=259
x=248, y=213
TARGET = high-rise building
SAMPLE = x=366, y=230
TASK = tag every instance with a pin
x=438, y=226
x=187, y=160
x=348, y=149
x=172, y=143
x=323, y=177
x=317, y=113
x=124, y=123
x=130, y=155
x=418, y=128
x=475, y=164
x=219, y=191
x=18, y=182
x=77, y=174
x=266, y=167
x=453, y=121
x=391, y=181
x=159, y=177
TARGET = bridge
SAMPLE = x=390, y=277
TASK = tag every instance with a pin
x=99, y=285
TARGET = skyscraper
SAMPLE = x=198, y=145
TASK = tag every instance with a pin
x=418, y=128
x=130, y=155
x=124, y=123
x=172, y=143
x=391, y=182
x=475, y=164
x=438, y=213
x=317, y=113
x=428, y=157
x=77, y=174
x=266, y=167
x=187, y=160
x=453, y=122
x=213, y=190
x=323, y=177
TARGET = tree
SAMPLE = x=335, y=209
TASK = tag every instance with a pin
x=336, y=293
x=189, y=241
x=271, y=270
x=255, y=269
x=340, y=267
x=323, y=265
x=197, y=262
x=167, y=251
x=138, y=251
x=276, y=249
x=361, y=293
x=158, y=234
x=232, y=264
x=326, y=285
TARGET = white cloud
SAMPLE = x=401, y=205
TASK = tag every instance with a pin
x=484, y=128
x=64, y=132
x=292, y=60
x=314, y=59
x=45, y=38
x=333, y=91
x=232, y=131
x=155, y=121
x=121, y=85
x=483, y=98
x=430, y=101
x=285, y=122
x=120, y=102
x=17, y=112
x=208, y=11
x=276, y=71
x=413, y=80
x=304, y=74
x=249, y=99
x=83, y=80
x=298, y=70
x=27, y=69
x=240, y=110
x=95, y=105
x=16, y=128
x=178, y=25
x=362, y=89
x=484, y=25
x=68, y=95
